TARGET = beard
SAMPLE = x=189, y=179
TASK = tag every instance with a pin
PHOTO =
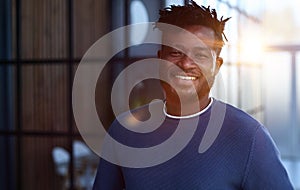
x=186, y=85
x=187, y=94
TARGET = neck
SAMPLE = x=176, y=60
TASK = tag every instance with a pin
x=188, y=107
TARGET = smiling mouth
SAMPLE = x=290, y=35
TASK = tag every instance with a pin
x=183, y=77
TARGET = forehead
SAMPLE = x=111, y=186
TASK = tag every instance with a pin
x=194, y=35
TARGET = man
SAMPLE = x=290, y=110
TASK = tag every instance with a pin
x=241, y=153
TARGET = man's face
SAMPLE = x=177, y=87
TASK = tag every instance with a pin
x=196, y=59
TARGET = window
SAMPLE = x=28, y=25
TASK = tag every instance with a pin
x=41, y=43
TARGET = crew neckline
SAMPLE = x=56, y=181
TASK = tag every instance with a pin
x=187, y=116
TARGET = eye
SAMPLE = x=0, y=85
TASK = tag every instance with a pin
x=200, y=56
x=176, y=53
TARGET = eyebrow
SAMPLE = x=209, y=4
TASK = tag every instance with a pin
x=178, y=46
x=182, y=48
x=202, y=49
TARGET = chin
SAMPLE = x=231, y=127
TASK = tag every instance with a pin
x=188, y=95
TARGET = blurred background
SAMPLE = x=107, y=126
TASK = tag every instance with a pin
x=43, y=41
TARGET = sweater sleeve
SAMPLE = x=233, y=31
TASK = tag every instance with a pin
x=108, y=177
x=264, y=168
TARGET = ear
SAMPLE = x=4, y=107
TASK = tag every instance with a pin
x=219, y=62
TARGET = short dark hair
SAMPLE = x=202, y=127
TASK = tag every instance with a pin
x=193, y=14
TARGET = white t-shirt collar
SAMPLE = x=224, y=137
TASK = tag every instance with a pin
x=188, y=116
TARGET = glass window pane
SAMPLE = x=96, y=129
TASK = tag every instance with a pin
x=139, y=14
x=250, y=84
x=85, y=165
x=174, y=2
x=7, y=97
x=211, y=3
x=44, y=166
x=90, y=23
x=298, y=97
x=254, y=8
x=277, y=93
x=274, y=32
x=7, y=163
x=44, y=31
x=293, y=169
x=233, y=2
x=45, y=97
x=225, y=87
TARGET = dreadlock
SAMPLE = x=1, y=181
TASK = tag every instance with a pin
x=193, y=14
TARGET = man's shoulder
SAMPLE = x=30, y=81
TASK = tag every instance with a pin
x=140, y=115
x=143, y=112
x=239, y=126
x=238, y=121
x=237, y=115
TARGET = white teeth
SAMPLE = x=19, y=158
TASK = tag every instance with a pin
x=185, y=77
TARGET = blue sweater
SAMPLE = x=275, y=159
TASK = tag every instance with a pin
x=243, y=156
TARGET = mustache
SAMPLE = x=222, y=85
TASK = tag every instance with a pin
x=186, y=72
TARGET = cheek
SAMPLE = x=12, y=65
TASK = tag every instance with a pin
x=163, y=71
x=207, y=67
x=164, y=66
x=169, y=60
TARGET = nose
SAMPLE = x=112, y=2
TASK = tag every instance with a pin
x=185, y=62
